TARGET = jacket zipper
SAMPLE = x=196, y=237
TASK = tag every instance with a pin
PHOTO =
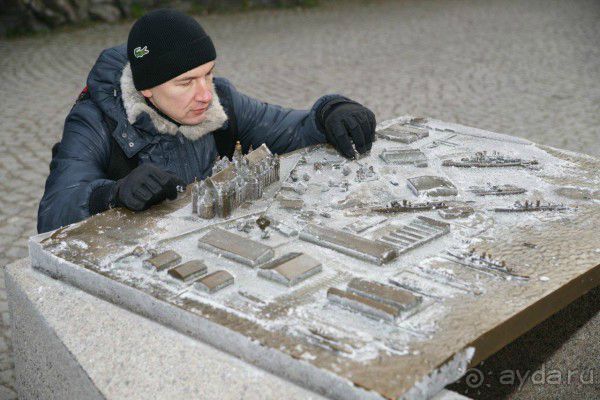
x=183, y=157
x=197, y=161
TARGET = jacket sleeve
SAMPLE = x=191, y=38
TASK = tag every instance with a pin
x=76, y=170
x=281, y=129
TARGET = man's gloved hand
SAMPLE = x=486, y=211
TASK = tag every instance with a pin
x=345, y=122
x=143, y=187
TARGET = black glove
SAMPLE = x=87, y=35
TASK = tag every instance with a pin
x=345, y=122
x=143, y=187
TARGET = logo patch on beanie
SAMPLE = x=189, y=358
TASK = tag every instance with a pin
x=140, y=52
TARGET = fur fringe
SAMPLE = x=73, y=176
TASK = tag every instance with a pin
x=135, y=104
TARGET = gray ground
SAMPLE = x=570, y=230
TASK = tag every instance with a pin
x=529, y=68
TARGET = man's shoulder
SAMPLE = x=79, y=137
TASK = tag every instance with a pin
x=223, y=84
x=114, y=53
x=86, y=119
x=226, y=92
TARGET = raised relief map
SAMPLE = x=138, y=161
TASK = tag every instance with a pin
x=371, y=278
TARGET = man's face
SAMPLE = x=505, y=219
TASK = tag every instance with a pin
x=186, y=97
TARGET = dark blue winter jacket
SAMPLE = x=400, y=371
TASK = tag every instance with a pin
x=80, y=165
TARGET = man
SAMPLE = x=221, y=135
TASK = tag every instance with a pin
x=153, y=118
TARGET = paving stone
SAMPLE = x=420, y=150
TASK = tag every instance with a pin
x=7, y=376
x=4, y=366
x=15, y=253
x=7, y=394
x=5, y=359
x=11, y=229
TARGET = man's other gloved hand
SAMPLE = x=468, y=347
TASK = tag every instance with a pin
x=143, y=187
x=345, y=122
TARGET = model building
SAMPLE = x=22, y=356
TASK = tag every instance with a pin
x=235, y=181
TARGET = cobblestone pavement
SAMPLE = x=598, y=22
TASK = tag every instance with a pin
x=528, y=68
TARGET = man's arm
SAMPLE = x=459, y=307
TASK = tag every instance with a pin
x=77, y=170
x=281, y=129
x=77, y=186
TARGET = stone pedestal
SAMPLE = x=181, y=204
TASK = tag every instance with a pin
x=71, y=345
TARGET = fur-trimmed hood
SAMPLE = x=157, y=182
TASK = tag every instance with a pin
x=111, y=87
x=135, y=105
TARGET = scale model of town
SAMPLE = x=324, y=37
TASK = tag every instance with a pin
x=374, y=278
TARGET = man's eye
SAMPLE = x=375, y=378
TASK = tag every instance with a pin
x=186, y=83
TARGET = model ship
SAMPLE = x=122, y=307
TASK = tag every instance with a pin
x=483, y=262
x=482, y=160
x=531, y=206
x=496, y=190
x=407, y=206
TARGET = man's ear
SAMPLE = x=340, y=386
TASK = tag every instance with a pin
x=146, y=93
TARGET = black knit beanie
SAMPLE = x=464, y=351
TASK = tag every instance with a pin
x=164, y=44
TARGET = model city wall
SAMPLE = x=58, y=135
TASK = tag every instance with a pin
x=25, y=16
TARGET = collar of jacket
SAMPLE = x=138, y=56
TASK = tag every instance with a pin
x=136, y=109
x=165, y=116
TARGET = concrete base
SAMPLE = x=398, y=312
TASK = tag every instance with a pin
x=71, y=345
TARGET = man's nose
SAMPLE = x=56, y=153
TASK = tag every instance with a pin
x=203, y=92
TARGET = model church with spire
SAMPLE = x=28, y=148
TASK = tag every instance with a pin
x=235, y=181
